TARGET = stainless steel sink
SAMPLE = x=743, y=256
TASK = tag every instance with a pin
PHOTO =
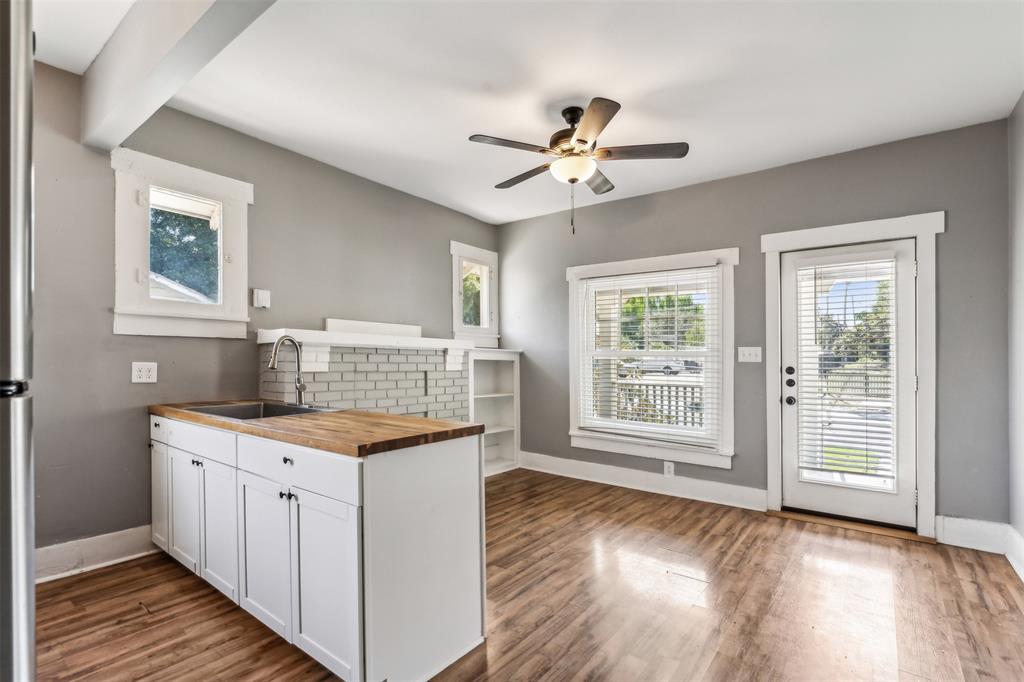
x=257, y=410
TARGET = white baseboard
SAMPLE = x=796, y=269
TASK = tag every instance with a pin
x=86, y=554
x=987, y=536
x=677, y=486
x=1015, y=550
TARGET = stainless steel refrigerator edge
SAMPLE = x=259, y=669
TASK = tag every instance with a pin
x=17, y=523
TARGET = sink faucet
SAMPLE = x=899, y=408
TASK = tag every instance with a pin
x=300, y=388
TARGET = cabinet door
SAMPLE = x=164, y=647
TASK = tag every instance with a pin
x=158, y=496
x=183, y=491
x=326, y=582
x=219, y=522
x=264, y=565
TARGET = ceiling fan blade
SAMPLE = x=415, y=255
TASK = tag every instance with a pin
x=599, y=112
x=598, y=183
x=670, y=150
x=501, y=142
x=512, y=182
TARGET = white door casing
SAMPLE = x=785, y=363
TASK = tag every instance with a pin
x=923, y=228
x=851, y=407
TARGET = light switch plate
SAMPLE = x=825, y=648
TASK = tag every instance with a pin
x=143, y=372
x=670, y=468
x=750, y=354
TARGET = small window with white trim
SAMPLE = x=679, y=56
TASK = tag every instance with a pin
x=180, y=249
x=652, y=357
x=475, y=294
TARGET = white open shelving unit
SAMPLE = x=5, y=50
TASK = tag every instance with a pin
x=494, y=402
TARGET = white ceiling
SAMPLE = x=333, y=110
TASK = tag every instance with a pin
x=70, y=33
x=391, y=90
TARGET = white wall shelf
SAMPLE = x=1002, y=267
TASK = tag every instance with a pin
x=494, y=402
x=318, y=337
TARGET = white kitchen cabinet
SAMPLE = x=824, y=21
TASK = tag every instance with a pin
x=158, y=500
x=264, y=555
x=218, y=526
x=183, y=493
x=194, y=508
x=325, y=567
x=390, y=587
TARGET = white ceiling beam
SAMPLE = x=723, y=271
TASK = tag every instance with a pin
x=157, y=48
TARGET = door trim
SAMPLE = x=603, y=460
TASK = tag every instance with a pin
x=922, y=228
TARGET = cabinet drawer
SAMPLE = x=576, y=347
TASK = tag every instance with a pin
x=158, y=428
x=199, y=440
x=332, y=475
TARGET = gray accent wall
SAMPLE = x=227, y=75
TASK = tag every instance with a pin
x=1015, y=146
x=325, y=242
x=962, y=172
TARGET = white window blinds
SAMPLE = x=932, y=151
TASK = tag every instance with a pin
x=651, y=360
x=846, y=347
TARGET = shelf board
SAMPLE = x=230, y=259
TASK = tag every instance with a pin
x=497, y=466
x=488, y=430
x=493, y=395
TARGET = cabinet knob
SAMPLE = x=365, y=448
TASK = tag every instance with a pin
x=288, y=460
x=281, y=495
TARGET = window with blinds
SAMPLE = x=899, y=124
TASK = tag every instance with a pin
x=651, y=355
x=846, y=379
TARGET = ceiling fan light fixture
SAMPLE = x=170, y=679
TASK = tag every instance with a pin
x=572, y=169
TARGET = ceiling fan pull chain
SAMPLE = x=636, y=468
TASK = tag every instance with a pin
x=572, y=207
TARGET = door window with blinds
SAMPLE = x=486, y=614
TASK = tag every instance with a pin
x=651, y=357
x=847, y=357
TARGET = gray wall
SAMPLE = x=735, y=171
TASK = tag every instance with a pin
x=327, y=243
x=962, y=172
x=1015, y=139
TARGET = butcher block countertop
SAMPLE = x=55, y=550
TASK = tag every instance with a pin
x=347, y=432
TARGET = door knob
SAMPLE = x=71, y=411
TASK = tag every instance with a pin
x=791, y=400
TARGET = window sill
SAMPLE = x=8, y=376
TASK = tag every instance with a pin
x=643, y=447
x=479, y=339
x=136, y=324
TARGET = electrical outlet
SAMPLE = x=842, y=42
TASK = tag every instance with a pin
x=670, y=468
x=143, y=372
x=749, y=354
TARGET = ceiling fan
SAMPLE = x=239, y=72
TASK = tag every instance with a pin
x=576, y=152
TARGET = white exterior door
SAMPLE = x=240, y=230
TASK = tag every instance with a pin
x=264, y=563
x=326, y=582
x=219, y=521
x=183, y=490
x=849, y=381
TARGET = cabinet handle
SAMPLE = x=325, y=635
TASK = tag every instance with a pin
x=288, y=460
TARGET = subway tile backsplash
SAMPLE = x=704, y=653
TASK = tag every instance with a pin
x=411, y=381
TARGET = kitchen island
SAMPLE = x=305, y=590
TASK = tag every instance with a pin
x=356, y=536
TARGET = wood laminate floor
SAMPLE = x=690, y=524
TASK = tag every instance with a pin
x=588, y=581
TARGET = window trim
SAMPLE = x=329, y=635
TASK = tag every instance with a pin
x=720, y=457
x=483, y=337
x=135, y=313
